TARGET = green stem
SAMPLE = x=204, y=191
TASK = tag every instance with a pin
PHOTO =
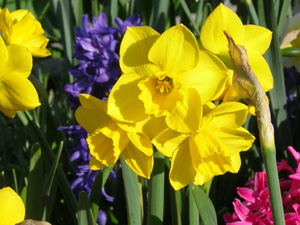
x=269, y=156
x=155, y=210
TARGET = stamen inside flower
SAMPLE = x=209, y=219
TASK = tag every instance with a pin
x=164, y=85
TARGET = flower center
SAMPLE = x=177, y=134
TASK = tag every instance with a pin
x=164, y=85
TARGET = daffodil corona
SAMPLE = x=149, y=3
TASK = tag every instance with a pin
x=159, y=71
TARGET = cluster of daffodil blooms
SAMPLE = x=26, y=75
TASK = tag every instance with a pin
x=21, y=38
x=166, y=97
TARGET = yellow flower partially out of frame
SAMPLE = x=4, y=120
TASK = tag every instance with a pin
x=16, y=91
x=20, y=27
x=255, y=39
x=212, y=151
x=107, y=141
x=12, y=209
x=158, y=72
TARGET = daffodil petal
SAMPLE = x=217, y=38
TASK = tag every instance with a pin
x=141, y=142
x=188, y=114
x=138, y=161
x=257, y=38
x=210, y=71
x=228, y=114
x=235, y=163
x=168, y=141
x=95, y=164
x=20, y=60
x=12, y=210
x=123, y=103
x=37, y=46
x=17, y=93
x=171, y=59
x=106, y=144
x=134, y=50
x=261, y=69
x=92, y=113
x=235, y=140
x=153, y=126
x=182, y=172
x=212, y=37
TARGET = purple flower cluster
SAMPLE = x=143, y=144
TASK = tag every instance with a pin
x=97, y=49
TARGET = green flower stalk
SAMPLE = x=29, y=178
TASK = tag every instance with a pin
x=247, y=85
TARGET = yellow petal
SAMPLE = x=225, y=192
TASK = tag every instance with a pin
x=19, y=61
x=12, y=208
x=257, y=38
x=95, y=164
x=235, y=140
x=92, y=113
x=168, y=141
x=182, y=172
x=175, y=51
x=153, y=126
x=17, y=93
x=211, y=72
x=37, y=46
x=106, y=144
x=228, y=114
x=138, y=161
x=141, y=142
x=123, y=103
x=211, y=35
x=134, y=50
x=261, y=69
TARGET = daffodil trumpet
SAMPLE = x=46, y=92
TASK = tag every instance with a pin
x=247, y=85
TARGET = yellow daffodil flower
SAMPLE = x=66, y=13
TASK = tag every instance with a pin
x=212, y=150
x=158, y=72
x=16, y=91
x=255, y=39
x=20, y=27
x=107, y=141
x=12, y=209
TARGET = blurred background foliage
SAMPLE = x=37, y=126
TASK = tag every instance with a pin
x=35, y=156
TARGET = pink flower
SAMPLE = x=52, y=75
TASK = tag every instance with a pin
x=255, y=209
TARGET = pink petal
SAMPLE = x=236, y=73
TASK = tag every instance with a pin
x=247, y=194
x=295, y=154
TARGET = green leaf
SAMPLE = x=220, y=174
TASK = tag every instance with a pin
x=159, y=15
x=84, y=211
x=98, y=184
x=38, y=136
x=205, y=207
x=34, y=198
x=131, y=194
x=51, y=186
x=193, y=212
x=155, y=211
